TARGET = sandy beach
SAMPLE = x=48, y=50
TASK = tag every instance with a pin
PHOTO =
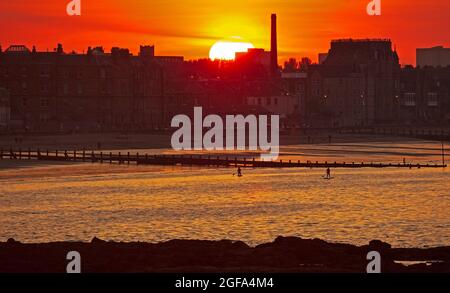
x=116, y=141
x=313, y=147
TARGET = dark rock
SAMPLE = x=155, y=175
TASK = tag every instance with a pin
x=378, y=245
x=12, y=241
x=96, y=240
x=285, y=254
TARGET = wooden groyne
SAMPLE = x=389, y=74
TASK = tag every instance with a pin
x=187, y=160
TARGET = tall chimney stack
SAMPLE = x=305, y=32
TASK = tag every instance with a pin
x=274, y=48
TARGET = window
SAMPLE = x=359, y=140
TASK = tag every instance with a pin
x=409, y=99
x=44, y=103
x=45, y=71
x=103, y=88
x=4, y=71
x=316, y=82
x=43, y=117
x=44, y=87
x=276, y=101
x=65, y=88
x=124, y=88
x=102, y=73
x=433, y=99
x=268, y=101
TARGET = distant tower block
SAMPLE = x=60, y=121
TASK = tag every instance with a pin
x=274, y=47
x=147, y=51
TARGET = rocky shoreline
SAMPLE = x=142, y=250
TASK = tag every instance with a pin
x=285, y=254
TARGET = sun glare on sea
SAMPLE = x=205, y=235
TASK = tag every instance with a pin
x=226, y=50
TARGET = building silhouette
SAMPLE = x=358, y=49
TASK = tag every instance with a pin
x=55, y=91
x=425, y=96
x=5, y=109
x=356, y=84
x=322, y=57
x=285, y=97
x=255, y=62
x=435, y=57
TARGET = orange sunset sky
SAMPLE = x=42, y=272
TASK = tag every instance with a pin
x=190, y=28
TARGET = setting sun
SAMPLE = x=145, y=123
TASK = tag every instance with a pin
x=226, y=50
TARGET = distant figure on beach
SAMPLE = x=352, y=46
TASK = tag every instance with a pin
x=239, y=172
x=328, y=173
